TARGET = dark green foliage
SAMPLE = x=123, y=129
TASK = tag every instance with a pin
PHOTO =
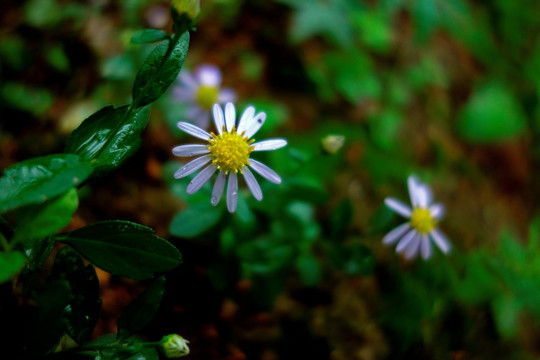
x=159, y=70
x=84, y=306
x=148, y=36
x=36, y=180
x=141, y=310
x=123, y=248
x=109, y=137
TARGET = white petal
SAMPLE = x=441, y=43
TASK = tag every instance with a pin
x=423, y=195
x=193, y=130
x=412, y=182
x=201, y=179
x=232, y=192
x=426, y=247
x=412, y=249
x=255, y=124
x=190, y=150
x=252, y=184
x=398, y=206
x=230, y=116
x=270, y=144
x=406, y=240
x=208, y=75
x=246, y=118
x=218, y=118
x=265, y=171
x=219, y=185
x=192, y=166
x=440, y=240
x=437, y=211
x=226, y=95
x=395, y=234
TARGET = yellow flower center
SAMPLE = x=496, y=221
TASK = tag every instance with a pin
x=422, y=221
x=230, y=150
x=207, y=96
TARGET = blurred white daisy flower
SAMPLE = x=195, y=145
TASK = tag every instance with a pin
x=228, y=153
x=200, y=91
x=416, y=235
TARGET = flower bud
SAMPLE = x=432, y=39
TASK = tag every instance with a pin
x=191, y=8
x=174, y=346
x=332, y=143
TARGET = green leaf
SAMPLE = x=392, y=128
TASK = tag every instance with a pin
x=10, y=264
x=326, y=18
x=39, y=252
x=195, y=220
x=36, y=180
x=159, y=70
x=148, y=36
x=26, y=98
x=142, y=309
x=309, y=269
x=51, y=324
x=341, y=218
x=123, y=248
x=492, y=114
x=109, y=136
x=5, y=228
x=83, y=310
x=35, y=222
x=506, y=310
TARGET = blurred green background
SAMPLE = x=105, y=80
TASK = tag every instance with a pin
x=446, y=89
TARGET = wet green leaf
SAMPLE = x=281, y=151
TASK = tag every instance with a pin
x=142, y=309
x=109, y=137
x=36, y=180
x=159, y=71
x=35, y=222
x=123, y=248
x=148, y=36
x=85, y=304
x=10, y=264
x=51, y=324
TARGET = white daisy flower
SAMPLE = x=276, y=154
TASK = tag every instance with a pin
x=416, y=235
x=228, y=152
x=200, y=91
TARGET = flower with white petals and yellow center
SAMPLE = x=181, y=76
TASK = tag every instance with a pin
x=200, y=91
x=228, y=153
x=416, y=235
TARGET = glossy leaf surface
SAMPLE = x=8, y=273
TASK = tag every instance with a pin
x=123, y=248
x=83, y=310
x=159, y=71
x=36, y=180
x=109, y=136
